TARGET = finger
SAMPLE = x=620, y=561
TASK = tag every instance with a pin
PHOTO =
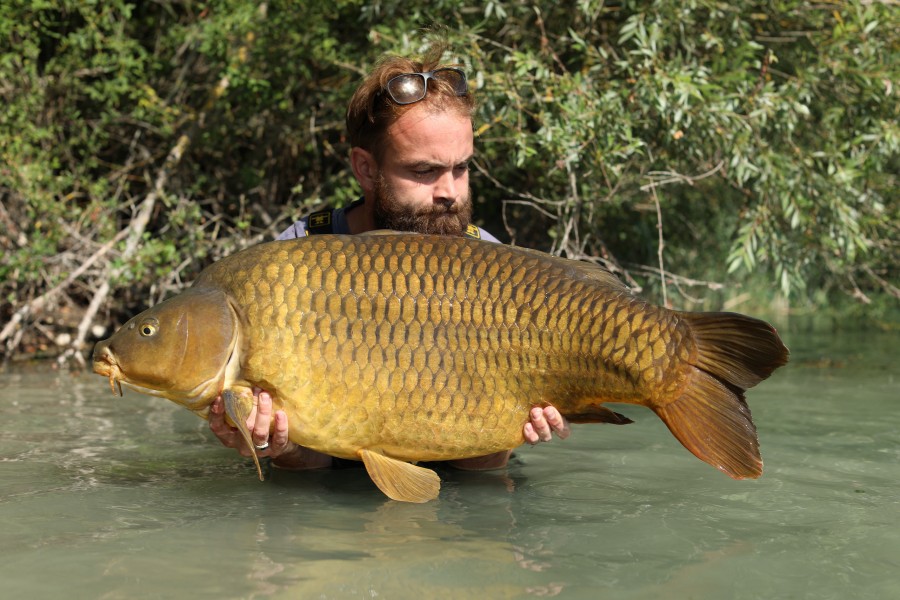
x=216, y=414
x=263, y=420
x=280, y=443
x=557, y=422
x=218, y=426
x=530, y=436
x=541, y=427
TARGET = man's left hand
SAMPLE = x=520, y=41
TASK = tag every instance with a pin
x=544, y=423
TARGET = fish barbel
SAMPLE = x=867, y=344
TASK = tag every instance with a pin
x=393, y=348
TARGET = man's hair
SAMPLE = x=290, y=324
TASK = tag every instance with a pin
x=371, y=111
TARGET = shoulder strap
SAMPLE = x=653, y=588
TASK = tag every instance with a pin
x=321, y=221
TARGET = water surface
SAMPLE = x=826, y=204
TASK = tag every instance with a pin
x=104, y=497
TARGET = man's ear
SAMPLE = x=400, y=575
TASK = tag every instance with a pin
x=365, y=168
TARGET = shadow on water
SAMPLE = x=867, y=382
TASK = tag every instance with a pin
x=105, y=497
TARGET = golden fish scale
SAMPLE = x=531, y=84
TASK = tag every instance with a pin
x=437, y=344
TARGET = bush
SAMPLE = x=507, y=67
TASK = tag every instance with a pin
x=680, y=143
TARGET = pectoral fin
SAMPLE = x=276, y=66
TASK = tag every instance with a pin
x=401, y=480
x=238, y=406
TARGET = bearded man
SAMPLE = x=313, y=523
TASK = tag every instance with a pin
x=411, y=136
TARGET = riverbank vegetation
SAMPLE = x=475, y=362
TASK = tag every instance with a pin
x=740, y=156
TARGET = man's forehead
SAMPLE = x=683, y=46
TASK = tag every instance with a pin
x=422, y=132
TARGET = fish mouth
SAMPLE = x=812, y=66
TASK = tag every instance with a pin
x=105, y=364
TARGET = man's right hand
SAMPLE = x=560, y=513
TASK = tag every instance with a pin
x=284, y=453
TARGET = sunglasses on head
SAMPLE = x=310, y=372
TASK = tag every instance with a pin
x=412, y=87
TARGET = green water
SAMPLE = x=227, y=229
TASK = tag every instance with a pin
x=104, y=497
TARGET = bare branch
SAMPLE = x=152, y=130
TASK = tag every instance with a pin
x=890, y=289
x=667, y=177
x=677, y=279
x=42, y=300
x=660, y=247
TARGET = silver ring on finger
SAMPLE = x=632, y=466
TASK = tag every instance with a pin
x=263, y=446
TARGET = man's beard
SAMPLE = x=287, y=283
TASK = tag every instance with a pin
x=438, y=219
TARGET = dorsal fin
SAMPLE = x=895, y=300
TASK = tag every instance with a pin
x=389, y=232
x=581, y=268
x=597, y=273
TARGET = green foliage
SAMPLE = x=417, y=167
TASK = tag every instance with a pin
x=787, y=110
x=761, y=136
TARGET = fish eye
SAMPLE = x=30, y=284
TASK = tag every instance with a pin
x=148, y=329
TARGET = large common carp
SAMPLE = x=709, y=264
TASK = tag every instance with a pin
x=392, y=348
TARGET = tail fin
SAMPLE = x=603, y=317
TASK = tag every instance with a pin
x=711, y=418
x=737, y=349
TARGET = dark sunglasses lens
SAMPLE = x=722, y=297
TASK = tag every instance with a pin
x=455, y=78
x=412, y=87
x=406, y=89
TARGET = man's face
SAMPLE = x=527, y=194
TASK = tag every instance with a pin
x=423, y=178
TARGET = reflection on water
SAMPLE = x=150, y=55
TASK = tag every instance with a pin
x=104, y=497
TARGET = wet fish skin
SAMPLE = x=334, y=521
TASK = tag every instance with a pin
x=391, y=348
x=431, y=363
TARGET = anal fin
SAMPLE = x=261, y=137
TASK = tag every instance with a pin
x=596, y=413
x=238, y=406
x=401, y=480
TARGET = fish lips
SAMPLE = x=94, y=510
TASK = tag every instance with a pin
x=105, y=364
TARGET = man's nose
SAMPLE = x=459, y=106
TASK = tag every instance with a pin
x=446, y=188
